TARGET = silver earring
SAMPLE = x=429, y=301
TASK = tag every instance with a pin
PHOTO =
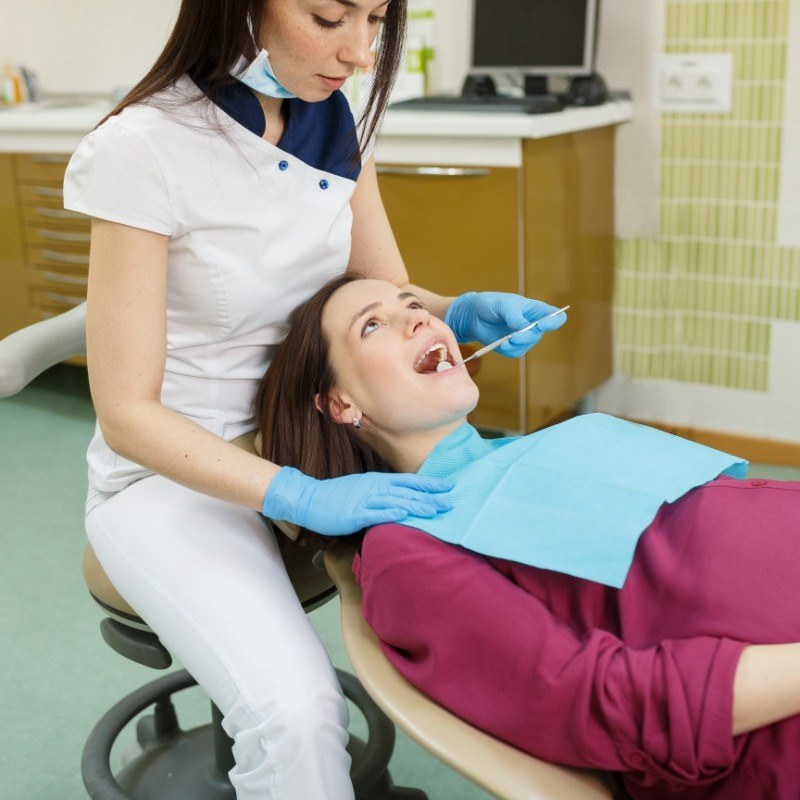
x=357, y=423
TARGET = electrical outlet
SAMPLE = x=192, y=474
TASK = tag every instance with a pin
x=693, y=82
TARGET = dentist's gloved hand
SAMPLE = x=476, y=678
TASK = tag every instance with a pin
x=340, y=506
x=487, y=316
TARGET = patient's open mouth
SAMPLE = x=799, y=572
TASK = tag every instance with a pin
x=429, y=361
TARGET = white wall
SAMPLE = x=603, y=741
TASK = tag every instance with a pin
x=96, y=45
x=631, y=32
x=789, y=208
x=91, y=46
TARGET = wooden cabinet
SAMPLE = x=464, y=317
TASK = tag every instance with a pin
x=45, y=249
x=15, y=311
x=545, y=229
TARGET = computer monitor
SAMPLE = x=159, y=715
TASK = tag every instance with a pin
x=534, y=37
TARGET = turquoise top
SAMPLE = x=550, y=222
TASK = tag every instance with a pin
x=573, y=498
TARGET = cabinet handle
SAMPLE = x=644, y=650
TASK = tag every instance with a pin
x=67, y=299
x=65, y=258
x=42, y=158
x=437, y=172
x=58, y=236
x=74, y=280
x=58, y=213
x=47, y=191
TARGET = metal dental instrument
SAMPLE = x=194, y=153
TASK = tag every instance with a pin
x=494, y=345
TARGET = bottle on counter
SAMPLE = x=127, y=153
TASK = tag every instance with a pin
x=422, y=21
x=11, y=88
x=412, y=80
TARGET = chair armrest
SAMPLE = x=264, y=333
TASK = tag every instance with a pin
x=27, y=353
x=499, y=769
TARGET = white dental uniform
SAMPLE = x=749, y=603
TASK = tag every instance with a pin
x=254, y=230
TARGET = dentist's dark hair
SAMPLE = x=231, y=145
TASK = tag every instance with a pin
x=294, y=432
x=210, y=35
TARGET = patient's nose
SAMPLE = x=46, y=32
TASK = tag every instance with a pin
x=417, y=318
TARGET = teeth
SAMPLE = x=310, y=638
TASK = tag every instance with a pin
x=442, y=353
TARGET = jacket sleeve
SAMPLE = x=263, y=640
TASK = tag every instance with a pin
x=481, y=646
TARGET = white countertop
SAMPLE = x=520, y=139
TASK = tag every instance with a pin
x=49, y=127
x=504, y=125
x=58, y=126
x=482, y=138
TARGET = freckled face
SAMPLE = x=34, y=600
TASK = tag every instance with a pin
x=315, y=45
x=378, y=340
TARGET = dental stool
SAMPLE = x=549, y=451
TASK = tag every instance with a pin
x=173, y=764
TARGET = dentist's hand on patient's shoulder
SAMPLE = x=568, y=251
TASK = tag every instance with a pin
x=487, y=316
x=340, y=506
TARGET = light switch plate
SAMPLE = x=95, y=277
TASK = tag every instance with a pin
x=693, y=82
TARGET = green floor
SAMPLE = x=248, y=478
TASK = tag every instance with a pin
x=57, y=675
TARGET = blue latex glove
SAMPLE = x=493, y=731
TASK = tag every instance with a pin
x=340, y=506
x=485, y=317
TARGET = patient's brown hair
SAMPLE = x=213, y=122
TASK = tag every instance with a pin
x=294, y=432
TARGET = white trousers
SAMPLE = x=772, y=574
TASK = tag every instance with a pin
x=208, y=578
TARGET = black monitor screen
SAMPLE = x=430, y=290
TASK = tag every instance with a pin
x=533, y=34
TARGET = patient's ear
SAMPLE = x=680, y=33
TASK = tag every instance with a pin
x=338, y=407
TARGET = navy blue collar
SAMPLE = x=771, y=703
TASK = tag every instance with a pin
x=239, y=103
x=322, y=134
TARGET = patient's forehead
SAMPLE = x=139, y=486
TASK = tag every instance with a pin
x=352, y=297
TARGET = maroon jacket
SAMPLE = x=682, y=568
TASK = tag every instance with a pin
x=637, y=680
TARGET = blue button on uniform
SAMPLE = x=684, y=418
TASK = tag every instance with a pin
x=283, y=165
x=323, y=184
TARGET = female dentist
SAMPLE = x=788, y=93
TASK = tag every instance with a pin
x=224, y=190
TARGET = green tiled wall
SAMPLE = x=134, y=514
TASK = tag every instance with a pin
x=695, y=303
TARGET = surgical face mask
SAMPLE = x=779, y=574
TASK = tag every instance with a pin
x=260, y=77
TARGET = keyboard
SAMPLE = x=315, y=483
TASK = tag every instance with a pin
x=502, y=103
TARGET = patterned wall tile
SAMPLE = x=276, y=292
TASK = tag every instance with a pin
x=695, y=304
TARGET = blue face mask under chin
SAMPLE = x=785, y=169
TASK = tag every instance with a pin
x=260, y=77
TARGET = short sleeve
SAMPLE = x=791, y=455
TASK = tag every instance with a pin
x=113, y=175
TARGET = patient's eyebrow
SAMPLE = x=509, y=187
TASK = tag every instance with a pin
x=372, y=306
x=367, y=308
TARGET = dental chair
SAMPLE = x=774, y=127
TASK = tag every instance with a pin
x=499, y=769
x=173, y=764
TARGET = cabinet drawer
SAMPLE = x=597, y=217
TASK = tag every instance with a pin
x=59, y=258
x=60, y=235
x=58, y=280
x=54, y=300
x=49, y=213
x=43, y=200
x=41, y=166
x=42, y=193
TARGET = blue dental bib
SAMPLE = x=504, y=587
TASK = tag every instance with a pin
x=573, y=498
